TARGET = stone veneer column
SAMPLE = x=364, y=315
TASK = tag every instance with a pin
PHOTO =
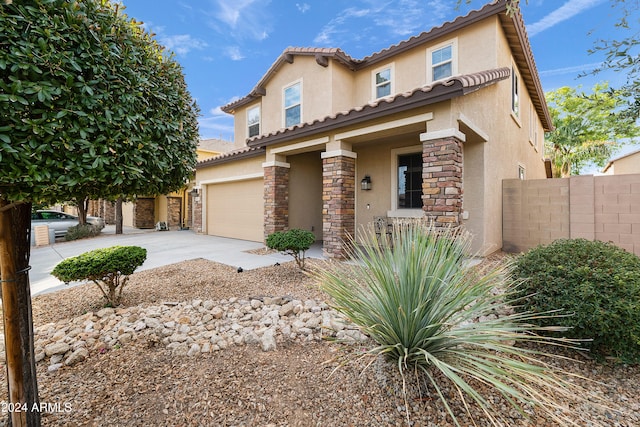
x=196, y=210
x=442, y=176
x=276, y=197
x=338, y=202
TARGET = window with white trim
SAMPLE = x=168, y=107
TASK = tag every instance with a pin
x=521, y=172
x=253, y=121
x=293, y=104
x=442, y=61
x=406, y=182
x=382, y=82
x=515, y=92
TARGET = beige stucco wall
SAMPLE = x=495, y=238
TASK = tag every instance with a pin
x=305, y=192
x=625, y=165
x=349, y=89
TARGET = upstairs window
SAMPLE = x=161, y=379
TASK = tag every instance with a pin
x=515, y=93
x=382, y=82
x=253, y=121
x=441, y=61
x=293, y=105
x=409, y=181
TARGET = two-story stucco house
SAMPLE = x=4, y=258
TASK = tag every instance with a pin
x=427, y=128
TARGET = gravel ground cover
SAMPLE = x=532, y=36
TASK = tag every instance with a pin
x=306, y=380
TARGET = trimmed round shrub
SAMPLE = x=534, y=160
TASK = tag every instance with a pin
x=597, y=286
x=109, y=268
x=294, y=242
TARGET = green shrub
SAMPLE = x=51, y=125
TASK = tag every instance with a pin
x=596, y=283
x=108, y=268
x=429, y=312
x=81, y=231
x=293, y=242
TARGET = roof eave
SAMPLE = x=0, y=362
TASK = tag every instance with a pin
x=226, y=158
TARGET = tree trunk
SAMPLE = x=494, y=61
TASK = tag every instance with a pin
x=83, y=206
x=15, y=224
x=119, y=215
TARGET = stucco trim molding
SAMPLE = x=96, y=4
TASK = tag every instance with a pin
x=442, y=134
x=231, y=179
x=468, y=123
x=276, y=163
x=392, y=124
x=338, y=153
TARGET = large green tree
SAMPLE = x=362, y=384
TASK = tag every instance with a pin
x=589, y=128
x=91, y=106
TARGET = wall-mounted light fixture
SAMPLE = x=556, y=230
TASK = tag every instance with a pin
x=194, y=192
x=365, y=184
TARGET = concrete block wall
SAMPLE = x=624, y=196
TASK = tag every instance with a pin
x=605, y=208
x=535, y=212
x=617, y=211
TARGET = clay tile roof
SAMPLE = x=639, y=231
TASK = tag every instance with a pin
x=242, y=153
x=424, y=95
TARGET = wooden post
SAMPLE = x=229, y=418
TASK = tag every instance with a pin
x=15, y=222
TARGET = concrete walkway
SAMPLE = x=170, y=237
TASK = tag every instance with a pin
x=163, y=248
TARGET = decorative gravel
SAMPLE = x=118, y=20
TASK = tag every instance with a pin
x=198, y=344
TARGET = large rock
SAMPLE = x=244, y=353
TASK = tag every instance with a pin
x=77, y=356
x=56, y=348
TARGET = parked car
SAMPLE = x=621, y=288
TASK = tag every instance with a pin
x=60, y=221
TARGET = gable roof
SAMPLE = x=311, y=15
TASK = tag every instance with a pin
x=513, y=27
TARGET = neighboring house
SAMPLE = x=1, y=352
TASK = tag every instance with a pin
x=629, y=163
x=174, y=209
x=427, y=128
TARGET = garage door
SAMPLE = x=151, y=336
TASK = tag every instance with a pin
x=236, y=210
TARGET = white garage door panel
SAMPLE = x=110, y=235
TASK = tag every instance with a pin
x=236, y=210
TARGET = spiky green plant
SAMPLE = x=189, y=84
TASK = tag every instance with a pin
x=416, y=297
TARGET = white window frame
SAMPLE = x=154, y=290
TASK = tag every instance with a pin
x=454, y=58
x=285, y=107
x=375, y=85
x=516, y=100
x=522, y=172
x=249, y=125
x=395, y=211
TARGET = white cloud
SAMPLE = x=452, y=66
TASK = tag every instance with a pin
x=182, y=43
x=234, y=53
x=246, y=18
x=216, y=124
x=567, y=11
x=375, y=19
x=571, y=70
x=304, y=7
x=338, y=26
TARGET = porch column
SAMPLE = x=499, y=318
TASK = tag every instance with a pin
x=338, y=200
x=442, y=176
x=196, y=210
x=276, y=197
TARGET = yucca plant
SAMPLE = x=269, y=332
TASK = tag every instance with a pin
x=415, y=296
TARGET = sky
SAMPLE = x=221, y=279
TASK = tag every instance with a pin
x=226, y=46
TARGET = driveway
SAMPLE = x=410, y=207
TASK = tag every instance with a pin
x=163, y=248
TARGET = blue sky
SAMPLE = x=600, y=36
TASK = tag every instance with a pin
x=225, y=46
